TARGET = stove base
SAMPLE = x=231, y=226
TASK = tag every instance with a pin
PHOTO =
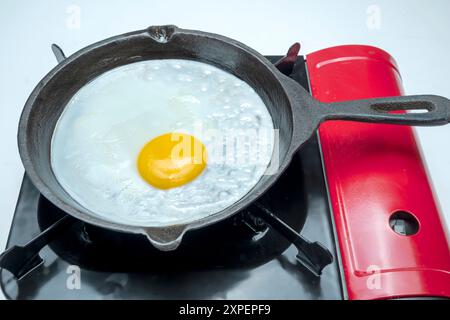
x=265, y=268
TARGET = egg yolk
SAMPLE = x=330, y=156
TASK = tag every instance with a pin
x=171, y=160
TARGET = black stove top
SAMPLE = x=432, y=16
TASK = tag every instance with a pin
x=234, y=259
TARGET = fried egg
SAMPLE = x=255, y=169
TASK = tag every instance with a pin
x=162, y=142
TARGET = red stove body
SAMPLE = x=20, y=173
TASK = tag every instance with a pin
x=373, y=171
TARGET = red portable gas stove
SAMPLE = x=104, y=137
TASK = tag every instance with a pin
x=386, y=217
x=359, y=189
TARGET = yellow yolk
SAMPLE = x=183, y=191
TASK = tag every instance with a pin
x=171, y=160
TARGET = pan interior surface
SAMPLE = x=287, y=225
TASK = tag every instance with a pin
x=104, y=126
x=48, y=100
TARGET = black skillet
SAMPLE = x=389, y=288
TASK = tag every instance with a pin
x=294, y=112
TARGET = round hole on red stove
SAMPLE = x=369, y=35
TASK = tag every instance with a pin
x=404, y=223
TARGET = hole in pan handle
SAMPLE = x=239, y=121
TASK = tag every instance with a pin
x=435, y=110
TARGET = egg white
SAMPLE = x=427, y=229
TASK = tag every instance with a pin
x=104, y=126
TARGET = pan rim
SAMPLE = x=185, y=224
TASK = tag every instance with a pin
x=178, y=229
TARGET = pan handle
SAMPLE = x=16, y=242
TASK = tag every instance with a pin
x=433, y=110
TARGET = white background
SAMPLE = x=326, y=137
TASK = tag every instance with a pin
x=415, y=32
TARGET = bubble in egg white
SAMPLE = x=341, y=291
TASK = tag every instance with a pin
x=104, y=126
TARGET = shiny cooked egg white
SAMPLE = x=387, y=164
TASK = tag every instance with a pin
x=139, y=144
